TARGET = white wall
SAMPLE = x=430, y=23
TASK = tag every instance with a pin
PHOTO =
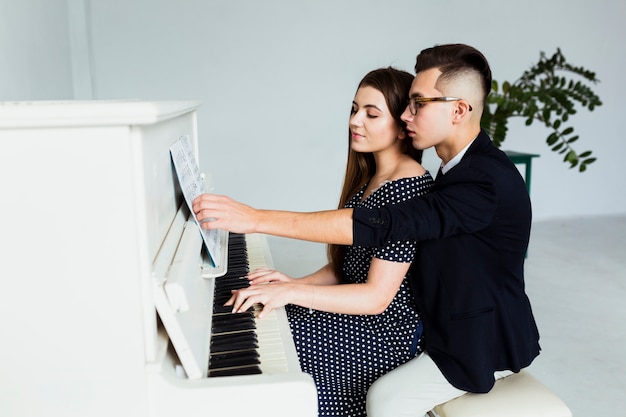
x=35, y=62
x=277, y=78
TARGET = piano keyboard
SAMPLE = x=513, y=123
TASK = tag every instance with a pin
x=241, y=344
x=182, y=383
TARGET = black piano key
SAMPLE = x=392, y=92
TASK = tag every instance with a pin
x=225, y=337
x=233, y=322
x=223, y=341
x=234, y=346
x=234, y=283
x=221, y=309
x=233, y=359
x=233, y=327
x=234, y=342
x=233, y=317
x=221, y=299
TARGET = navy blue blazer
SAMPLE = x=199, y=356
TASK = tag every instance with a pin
x=468, y=275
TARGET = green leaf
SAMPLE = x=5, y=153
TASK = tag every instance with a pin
x=550, y=91
x=573, y=139
x=571, y=158
x=552, y=138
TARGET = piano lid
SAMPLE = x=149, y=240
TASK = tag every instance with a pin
x=18, y=114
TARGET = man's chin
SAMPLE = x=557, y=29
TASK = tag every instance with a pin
x=419, y=145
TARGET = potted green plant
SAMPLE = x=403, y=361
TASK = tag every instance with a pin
x=546, y=93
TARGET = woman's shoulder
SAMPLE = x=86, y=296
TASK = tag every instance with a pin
x=416, y=179
x=410, y=186
x=411, y=170
x=408, y=168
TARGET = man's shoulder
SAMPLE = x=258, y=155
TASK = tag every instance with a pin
x=485, y=157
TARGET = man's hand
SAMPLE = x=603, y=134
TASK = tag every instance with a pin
x=222, y=212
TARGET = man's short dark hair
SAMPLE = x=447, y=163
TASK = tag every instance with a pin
x=453, y=59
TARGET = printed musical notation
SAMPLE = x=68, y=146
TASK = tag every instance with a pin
x=192, y=186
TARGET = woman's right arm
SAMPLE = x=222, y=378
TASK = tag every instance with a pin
x=371, y=297
x=323, y=276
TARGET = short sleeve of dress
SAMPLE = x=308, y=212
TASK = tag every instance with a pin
x=397, y=252
x=393, y=192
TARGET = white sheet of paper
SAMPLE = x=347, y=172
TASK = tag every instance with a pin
x=192, y=186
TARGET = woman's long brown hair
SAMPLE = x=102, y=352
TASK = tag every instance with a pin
x=395, y=85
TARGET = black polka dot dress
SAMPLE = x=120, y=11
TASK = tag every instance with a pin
x=346, y=353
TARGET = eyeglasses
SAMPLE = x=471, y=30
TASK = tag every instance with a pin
x=415, y=101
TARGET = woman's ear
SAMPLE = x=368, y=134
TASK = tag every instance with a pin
x=402, y=134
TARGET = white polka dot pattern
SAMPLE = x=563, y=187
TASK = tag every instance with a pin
x=346, y=353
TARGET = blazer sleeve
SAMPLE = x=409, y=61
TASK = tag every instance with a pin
x=462, y=201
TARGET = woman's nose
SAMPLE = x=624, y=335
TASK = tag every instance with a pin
x=355, y=120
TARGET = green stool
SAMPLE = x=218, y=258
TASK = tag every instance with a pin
x=523, y=158
x=527, y=160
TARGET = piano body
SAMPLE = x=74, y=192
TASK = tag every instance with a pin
x=94, y=232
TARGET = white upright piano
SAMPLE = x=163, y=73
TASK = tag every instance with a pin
x=93, y=229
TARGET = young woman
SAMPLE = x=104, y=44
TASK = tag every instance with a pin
x=354, y=319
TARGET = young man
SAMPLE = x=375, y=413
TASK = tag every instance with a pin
x=473, y=228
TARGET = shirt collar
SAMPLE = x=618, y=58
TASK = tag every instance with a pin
x=457, y=158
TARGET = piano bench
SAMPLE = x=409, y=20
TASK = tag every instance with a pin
x=518, y=395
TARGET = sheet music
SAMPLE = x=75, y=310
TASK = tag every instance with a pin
x=192, y=186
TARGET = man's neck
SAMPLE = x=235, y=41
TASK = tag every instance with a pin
x=454, y=161
x=455, y=144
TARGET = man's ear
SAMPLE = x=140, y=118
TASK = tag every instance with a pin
x=461, y=110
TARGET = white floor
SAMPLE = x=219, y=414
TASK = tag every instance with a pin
x=576, y=281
